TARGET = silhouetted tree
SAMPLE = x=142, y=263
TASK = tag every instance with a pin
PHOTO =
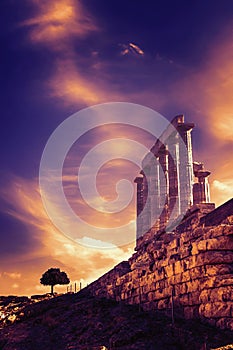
x=54, y=276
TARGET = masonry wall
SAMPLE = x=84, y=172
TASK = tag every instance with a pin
x=191, y=272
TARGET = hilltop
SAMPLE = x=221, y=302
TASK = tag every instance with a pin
x=81, y=321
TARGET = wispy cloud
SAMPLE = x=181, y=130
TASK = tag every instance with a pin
x=13, y=275
x=58, y=25
x=131, y=48
x=208, y=90
x=223, y=190
x=72, y=86
x=54, y=249
x=207, y=93
x=58, y=21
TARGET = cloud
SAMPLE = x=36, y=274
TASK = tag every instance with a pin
x=13, y=275
x=88, y=241
x=54, y=249
x=225, y=187
x=57, y=21
x=131, y=48
x=72, y=86
x=80, y=76
x=208, y=90
x=222, y=190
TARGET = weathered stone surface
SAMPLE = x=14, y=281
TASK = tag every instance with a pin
x=217, y=294
x=191, y=312
x=195, y=270
x=220, y=269
x=214, y=257
x=216, y=309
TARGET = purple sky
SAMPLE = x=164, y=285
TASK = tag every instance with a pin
x=61, y=56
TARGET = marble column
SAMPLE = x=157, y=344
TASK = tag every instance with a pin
x=164, y=186
x=139, y=182
x=174, y=177
x=186, y=175
x=201, y=192
x=154, y=192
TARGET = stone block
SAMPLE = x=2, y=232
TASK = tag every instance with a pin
x=194, y=298
x=182, y=299
x=157, y=295
x=214, y=232
x=175, y=279
x=163, y=263
x=144, y=297
x=137, y=299
x=174, y=244
x=220, y=269
x=185, y=276
x=224, y=280
x=216, y=281
x=205, y=296
x=214, y=257
x=146, y=288
x=162, y=284
x=198, y=246
x=159, y=276
x=168, y=237
x=221, y=294
x=207, y=283
x=228, y=230
x=134, y=274
x=185, y=251
x=193, y=285
x=197, y=272
x=169, y=270
x=189, y=262
x=180, y=289
x=191, y=312
x=178, y=267
x=164, y=304
x=225, y=323
x=220, y=243
x=216, y=309
x=123, y=296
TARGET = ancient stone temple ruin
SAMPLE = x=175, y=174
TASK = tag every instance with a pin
x=171, y=183
x=183, y=260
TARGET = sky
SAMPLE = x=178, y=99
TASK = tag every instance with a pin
x=61, y=56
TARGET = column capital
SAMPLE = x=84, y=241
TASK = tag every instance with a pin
x=185, y=127
x=202, y=173
x=138, y=180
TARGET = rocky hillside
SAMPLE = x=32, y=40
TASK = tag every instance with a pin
x=80, y=321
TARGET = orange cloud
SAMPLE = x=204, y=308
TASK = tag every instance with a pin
x=55, y=25
x=58, y=20
x=208, y=92
x=71, y=86
x=54, y=249
x=13, y=275
x=131, y=48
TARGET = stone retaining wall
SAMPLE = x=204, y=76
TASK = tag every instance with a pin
x=189, y=272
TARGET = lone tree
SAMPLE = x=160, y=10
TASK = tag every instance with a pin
x=54, y=276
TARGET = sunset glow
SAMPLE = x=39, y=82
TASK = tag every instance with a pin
x=63, y=56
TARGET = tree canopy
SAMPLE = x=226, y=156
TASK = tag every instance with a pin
x=54, y=276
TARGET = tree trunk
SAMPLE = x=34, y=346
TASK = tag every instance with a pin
x=52, y=289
